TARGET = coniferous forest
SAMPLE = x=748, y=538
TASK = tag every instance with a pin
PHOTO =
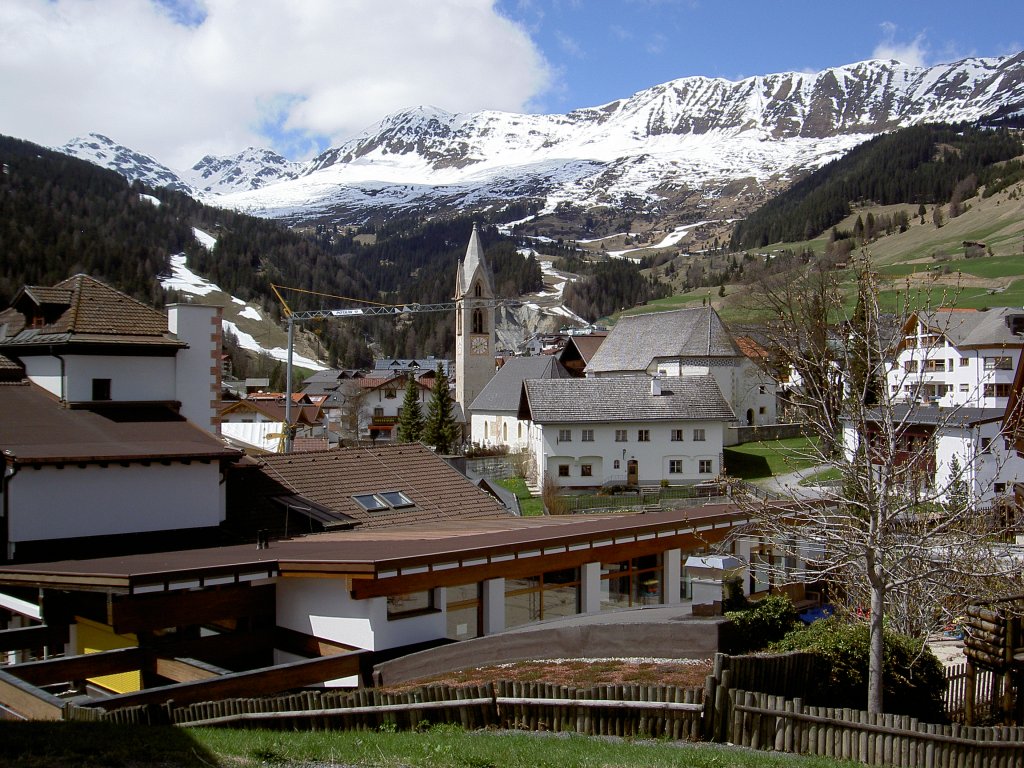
x=924, y=164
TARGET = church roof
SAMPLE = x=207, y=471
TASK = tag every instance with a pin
x=638, y=340
x=502, y=392
x=472, y=264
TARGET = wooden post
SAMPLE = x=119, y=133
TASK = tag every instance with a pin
x=969, y=692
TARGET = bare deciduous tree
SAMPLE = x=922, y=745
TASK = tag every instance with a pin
x=902, y=541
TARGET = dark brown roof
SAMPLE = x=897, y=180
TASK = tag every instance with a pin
x=82, y=309
x=301, y=414
x=332, y=478
x=36, y=429
x=10, y=371
x=465, y=542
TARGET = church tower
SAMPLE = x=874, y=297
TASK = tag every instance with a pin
x=474, y=325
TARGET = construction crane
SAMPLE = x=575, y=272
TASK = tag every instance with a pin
x=369, y=309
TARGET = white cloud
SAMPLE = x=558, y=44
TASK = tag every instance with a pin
x=181, y=78
x=915, y=52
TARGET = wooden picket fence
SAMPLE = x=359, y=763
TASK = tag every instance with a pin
x=605, y=710
x=767, y=722
x=987, y=696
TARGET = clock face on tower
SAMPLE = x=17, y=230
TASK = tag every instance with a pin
x=478, y=345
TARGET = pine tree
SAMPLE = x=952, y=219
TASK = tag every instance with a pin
x=440, y=429
x=410, y=423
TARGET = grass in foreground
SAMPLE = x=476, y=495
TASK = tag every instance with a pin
x=91, y=745
x=766, y=458
x=449, y=746
x=530, y=506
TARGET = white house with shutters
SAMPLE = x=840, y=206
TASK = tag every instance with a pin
x=626, y=430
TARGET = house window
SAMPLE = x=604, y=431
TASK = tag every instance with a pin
x=378, y=411
x=698, y=435
x=410, y=603
x=101, y=389
x=616, y=464
x=1001, y=363
x=588, y=436
x=965, y=387
x=997, y=390
x=761, y=410
x=565, y=435
x=390, y=394
x=964, y=362
x=935, y=366
x=677, y=435
x=586, y=470
x=762, y=389
x=563, y=470
x=985, y=443
x=910, y=366
x=675, y=466
x=620, y=436
x=704, y=466
x=999, y=487
x=643, y=435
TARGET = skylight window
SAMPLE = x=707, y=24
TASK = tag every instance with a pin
x=371, y=502
x=378, y=502
x=396, y=499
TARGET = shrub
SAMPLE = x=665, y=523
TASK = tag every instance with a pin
x=913, y=683
x=762, y=623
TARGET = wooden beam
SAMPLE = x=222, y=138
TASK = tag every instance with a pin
x=153, y=611
x=29, y=701
x=80, y=667
x=257, y=682
x=366, y=588
x=302, y=644
x=187, y=670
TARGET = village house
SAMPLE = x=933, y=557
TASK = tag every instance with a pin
x=688, y=342
x=98, y=454
x=258, y=421
x=378, y=403
x=626, y=430
x=958, y=357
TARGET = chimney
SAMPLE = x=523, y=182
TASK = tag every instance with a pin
x=656, y=385
x=198, y=367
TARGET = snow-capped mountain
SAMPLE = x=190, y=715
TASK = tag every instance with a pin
x=134, y=166
x=694, y=134
x=250, y=169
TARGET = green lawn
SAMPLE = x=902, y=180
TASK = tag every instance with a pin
x=530, y=506
x=766, y=458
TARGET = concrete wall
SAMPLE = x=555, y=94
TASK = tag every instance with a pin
x=691, y=639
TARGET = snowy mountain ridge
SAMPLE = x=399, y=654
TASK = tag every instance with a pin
x=691, y=134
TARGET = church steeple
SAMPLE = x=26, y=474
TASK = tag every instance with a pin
x=474, y=325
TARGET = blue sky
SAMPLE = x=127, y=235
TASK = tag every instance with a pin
x=179, y=79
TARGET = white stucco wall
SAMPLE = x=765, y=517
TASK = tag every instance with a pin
x=131, y=377
x=326, y=609
x=494, y=429
x=197, y=369
x=963, y=375
x=653, y=457
x=50, y=503
x=256, y=433
x=46, y=372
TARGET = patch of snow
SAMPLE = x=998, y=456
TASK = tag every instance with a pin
x=236, y=300
x=152, y=200
x=184, y=280
x=205, y=240
x=251, y=313
x=247, y=341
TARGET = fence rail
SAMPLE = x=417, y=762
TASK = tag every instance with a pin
x=767, y=722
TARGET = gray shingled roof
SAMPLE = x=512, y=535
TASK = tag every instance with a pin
x=501, y=395
x=990, y=328
x=637, y=340
x=622, y=398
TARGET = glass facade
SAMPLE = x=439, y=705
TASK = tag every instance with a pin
x=630, y=583
x=463, y=612
x=547, y=596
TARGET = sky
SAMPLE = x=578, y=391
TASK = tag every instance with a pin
x=180, y=79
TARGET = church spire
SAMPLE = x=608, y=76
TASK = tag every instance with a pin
x=472, y=267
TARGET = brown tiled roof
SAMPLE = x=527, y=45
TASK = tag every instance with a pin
x=301, y=414
x=93, y=312
x=10, y=371
x=332, y=478
x=36, y=429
